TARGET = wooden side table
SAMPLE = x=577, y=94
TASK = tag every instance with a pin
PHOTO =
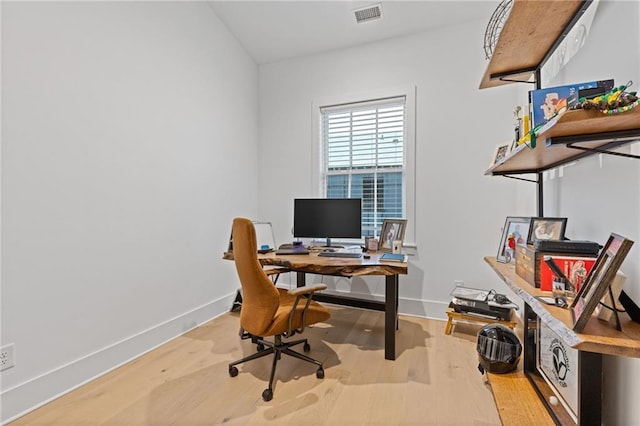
x=473, y=318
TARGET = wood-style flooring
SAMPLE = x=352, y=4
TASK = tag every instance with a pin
x=434, y=380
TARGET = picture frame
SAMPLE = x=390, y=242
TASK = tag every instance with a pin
x=519, y=227
x=500, y=153
x=546, y=228
x=599, y=280
x=392, y=230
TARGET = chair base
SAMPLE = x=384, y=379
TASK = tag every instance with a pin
x=277, y=348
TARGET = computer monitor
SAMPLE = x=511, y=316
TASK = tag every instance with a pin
x=327, y=218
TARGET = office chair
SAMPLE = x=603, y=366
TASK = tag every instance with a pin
x=270, y=311
x=266, y=241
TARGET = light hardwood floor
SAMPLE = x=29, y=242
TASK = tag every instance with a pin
x=186, y=382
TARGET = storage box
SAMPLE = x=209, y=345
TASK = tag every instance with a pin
x=574, y=268
x=526, y=264
x=529, y=263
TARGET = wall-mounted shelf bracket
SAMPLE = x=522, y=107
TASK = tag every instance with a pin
x=603, y=151
x=520, y=178
x=613, y=139
x=510, y=76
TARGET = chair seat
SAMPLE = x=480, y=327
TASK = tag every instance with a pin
x=280, y=324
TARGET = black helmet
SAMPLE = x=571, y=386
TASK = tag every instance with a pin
x=498, y=349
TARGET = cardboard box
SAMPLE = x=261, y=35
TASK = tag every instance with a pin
x=544, y=103
x=574, y=268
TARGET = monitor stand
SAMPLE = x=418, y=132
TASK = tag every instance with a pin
x=328, y=246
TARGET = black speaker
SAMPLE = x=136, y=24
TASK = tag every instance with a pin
x=629, y=305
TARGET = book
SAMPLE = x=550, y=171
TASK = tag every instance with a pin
x=574, y=268
x=470, y=294
x=545, y=103
x=393, y=257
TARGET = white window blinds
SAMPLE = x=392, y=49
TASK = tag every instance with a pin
x=363, y=156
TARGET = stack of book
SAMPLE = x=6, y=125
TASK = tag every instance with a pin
x=477, y=302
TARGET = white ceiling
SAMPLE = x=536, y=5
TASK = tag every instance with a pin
x=271, y=31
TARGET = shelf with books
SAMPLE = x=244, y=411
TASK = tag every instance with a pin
x=591, y=130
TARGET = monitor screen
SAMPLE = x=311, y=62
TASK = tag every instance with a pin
x=327, y=218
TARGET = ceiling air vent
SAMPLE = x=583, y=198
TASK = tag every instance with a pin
x=368, y=13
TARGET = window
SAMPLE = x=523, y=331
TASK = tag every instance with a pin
x=363, y=149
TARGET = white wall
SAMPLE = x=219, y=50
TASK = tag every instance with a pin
x=460, y=212
x=601, y=194
x=124, y=126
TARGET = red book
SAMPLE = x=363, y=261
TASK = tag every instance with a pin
x=574, y=268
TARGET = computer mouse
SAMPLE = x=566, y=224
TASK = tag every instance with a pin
x=366, y=256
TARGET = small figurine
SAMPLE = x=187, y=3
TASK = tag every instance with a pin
x=511, y=247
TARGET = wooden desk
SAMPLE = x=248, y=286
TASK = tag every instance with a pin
x=348, y=267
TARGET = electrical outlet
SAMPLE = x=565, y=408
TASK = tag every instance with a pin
x=458, y=283
x=7, y=359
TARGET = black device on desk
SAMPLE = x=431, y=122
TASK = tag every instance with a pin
x=348, y=254
x=327, y=218
x=292, y=249
x=568, y=246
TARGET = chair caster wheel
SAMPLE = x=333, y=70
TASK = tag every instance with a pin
x=306, y=347
x=233, y=371
x=267, y=395
x=320, y=373
x=260, y=347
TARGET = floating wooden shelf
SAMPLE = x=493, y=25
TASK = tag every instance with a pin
x=529, y=34
x=598, y=336
x=598, y=130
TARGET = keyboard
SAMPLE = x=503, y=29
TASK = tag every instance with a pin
x=339, y=254
x=289, y=251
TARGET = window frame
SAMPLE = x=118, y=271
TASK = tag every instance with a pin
x=409, y=93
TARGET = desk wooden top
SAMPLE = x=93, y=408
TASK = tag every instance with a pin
x=342, y=266
x=598, y=336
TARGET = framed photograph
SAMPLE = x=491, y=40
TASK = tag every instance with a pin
x=515, y=232
x=546, y=228
x=599, y=280
x=392, y=230
x=500, y=152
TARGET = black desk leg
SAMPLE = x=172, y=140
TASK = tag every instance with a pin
x=390, y=316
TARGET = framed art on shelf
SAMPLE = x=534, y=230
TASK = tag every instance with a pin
x=546, y=228
x=392, y=230
x=599, y=280
x=514, y=232
x=500, y=152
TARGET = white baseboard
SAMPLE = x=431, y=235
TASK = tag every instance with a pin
x=414, y=307
x=423, y=308
x=33, y=393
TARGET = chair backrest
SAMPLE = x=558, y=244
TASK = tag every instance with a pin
x=260, y=299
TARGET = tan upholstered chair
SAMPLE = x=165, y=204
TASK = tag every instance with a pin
x=271, y=311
